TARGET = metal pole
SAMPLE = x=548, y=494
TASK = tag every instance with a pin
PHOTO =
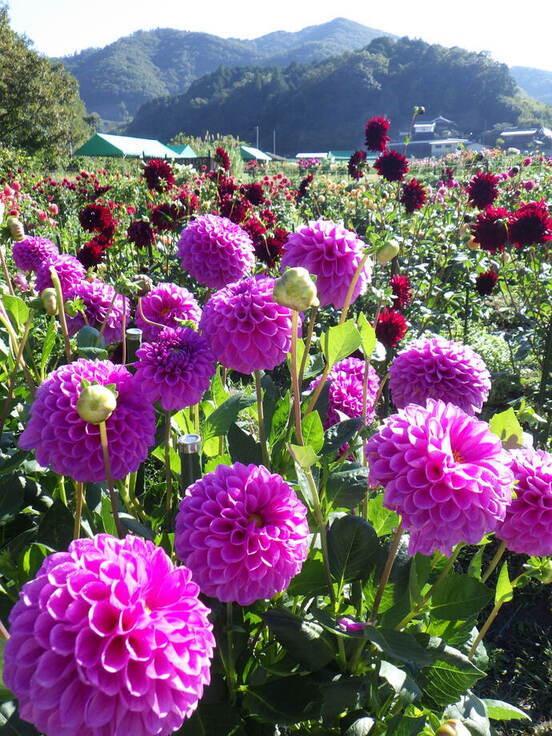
x=274, y=141
x=257, y=131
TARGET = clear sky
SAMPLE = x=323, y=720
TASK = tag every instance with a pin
x=515, y=33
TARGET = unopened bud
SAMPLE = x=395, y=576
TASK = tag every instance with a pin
x=96, y=404
x=48, y=297
x=144, y=284
x=453, y=727
x=15, y=226
x=295, y=289
x=387, y=252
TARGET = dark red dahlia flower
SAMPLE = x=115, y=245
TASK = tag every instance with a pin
x=269, y=251
x=96, y=218
x=490, y=229
x=253, y=193
x=357, y=165
x=255, y=229
x=482, y=189
x=392, y=165
x=225, y=185
x=158, y=175
x=190, y=200
x=376, y=133
x=140, y=233
x=268, y=217
x=303, y=186
x=530, y=224
x=391, y=327
x=222, y=158
x=413, y=195
x=168, y=217
x=92, y=253
x=486, y=282
x=235, y=210
x=402, y=291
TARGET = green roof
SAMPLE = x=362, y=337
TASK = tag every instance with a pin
x=248, y=153
x=104, y=144
x=340, y=155
x=183, y=151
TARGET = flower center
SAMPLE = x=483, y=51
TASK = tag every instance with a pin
x=256, y=519
x=457, y=456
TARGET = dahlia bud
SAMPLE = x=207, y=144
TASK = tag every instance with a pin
x=387, y=252
x=48, y=297
x=96, y=404
x=143, y=284
x=452, y=727
x=295, y=289
x=15, y=226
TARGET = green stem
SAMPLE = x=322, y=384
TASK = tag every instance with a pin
x=393, y=549
x=6, y=272
x=486, y=626
x=494, y=562
x=308, y=341
x=350, y=290
x=109, y=479
x=168, y=472
x=79, y=493
x=231, y=677
x=260, y=414
x=61, y=312
x=295, y=380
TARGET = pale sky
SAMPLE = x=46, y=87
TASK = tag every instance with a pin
x=514, y=33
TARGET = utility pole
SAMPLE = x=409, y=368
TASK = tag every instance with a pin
x=274, y=141
x=257, y=131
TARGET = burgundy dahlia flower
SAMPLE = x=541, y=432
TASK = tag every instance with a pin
x=243, y=533
x=93, y=252
x=413, y=195
x=29, y=253
x=158, y=175
x=304, y=186
x=530, y=224
x=482, y=190
x=215, y=251
x=168, y=216
x=527, y=528
x=101, y=303
x=436, y=368
x=332, y=254
x=96, y=218
x=444, y=471
x=140, y=233
x=376, y=133
x=235, y=210
x=190, y=200
x=71, y=446
x=490, y=229
x=109, y=638
x=486, y=282
x=392, y=165
x=391, y=327
x=176, y=369
x=270, y=249
x=357, y=165
x=247, y=330
x=254, y=193
x=345, y=381
x=167, y=305
x=222, y=159
x=69, y=270
x=402, y=291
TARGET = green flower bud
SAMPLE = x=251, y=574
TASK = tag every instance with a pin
x=452, y=727
x=15, y=226
x=96, y=404
x=48, y=297
x=387, y=252
x=295, y=289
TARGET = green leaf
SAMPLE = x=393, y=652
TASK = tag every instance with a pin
x=419, y=573
x=458, y=597
x=305, y=457
x=367, y=336
x=338, y=434
x=340, y=341
x=310, y=581
x=507, y=427
x=56, y=528
x=450, y=675
x=48, y=345
x=285, y=700
x=214, y=462
x=401, y=682
x=313, y=431
x=347, y=487
x=474, y=568
x=504, y=591
x=399, y=645
x=498, y=710
x=17, y=310
x=305, y=641
x=353, y=548
x=211, y=718
x=383, y=520
x=470, y=711
x=12, y=488
x=243, y=447
x=360, y=727
x=280, y=418
x=219, y=422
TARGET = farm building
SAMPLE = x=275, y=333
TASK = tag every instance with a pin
x=183, y=151
x=249, y=153
x=528, y=139
x=122, y=146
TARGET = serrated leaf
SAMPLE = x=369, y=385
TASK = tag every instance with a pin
x=243, y=447
x=280, y=418
x=498, y=710
x=17, y=310
x=347, y=487
x=450, y=675
x=401, y=682
x=285, y=700
x=310, y=581
x=340, y=341
x=459, y=597
x=353, y=548
x=305, y=641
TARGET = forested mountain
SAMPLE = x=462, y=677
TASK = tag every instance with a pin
x=536, y=82
x=323, y=105
x=116, y=80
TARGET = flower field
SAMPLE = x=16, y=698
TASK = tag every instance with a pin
x=276, y=446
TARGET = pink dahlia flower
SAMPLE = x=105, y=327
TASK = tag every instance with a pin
x=69, y=445
x=100, y=301
x=176, y=369
x=69, y=270
x=439, y=369
x=215, y=251
x=243, y=533
x=246, y=329
x=168, y=305
x=527, y=527
x=444, y=471
x=30, y=253
x=109, y=638
x=346, y=380
x=332, y=254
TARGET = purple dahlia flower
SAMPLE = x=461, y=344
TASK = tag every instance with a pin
x=346, y=380
x=246, y=329
x=216, y=251
x=331, y=253
x=109, y=638
x=243, y=533
x=69, y=270
x=30, y=253
x=100, y=301
x=444, y=471
x=69, y=445
x=167, y=305
x=176, y=369
x=439, y=369
x=527, y=527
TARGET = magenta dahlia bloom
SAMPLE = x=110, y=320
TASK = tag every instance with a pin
x=100, y=301
x=413, y=195
x=30, y=253
x=243, y=533
x=482, y=190
x=444, y=471
x=176, y=369
x=69, y=445
x=332, y=254
x=527, y=528
x=530, y=224
x=69, y=270
x=490, y=229
x=392, y=165
x=246, y=329
x=376, y=133
x=109, y=638
x=167, y=305
x=345, y=381
x=215, y=251
x=439, y=369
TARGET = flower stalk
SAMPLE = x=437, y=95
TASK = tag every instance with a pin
x=109, y=479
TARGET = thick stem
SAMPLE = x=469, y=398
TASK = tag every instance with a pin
x=168, y=472
x=123, y=331
x=6, y=272
x=308, y=341
x=350, y=290
x=260, y=414
x=79, y=493
x=295, y=380
x=494, y=562
x=231, y=676
x=393, y=549
x=486, y=626
x=110, y=309
x=4, y=633
x=318, y=390
x=109, y=479
x=61, y=312
x=546, y=366
x=143, y=316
